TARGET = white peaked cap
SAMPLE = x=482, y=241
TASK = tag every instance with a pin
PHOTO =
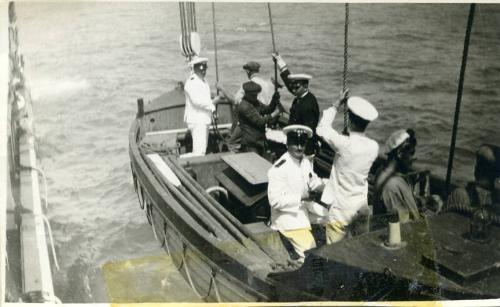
x=362, y=108
x=197, y=60
x=295, y=128
x=299, y=77
x=395, y=140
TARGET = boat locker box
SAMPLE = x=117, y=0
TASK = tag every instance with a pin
x=245, y=179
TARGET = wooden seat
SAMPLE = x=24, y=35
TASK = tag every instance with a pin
x=246, y=193
x=252, y=167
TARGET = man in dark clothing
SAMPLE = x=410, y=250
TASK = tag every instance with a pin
x=254, y=116
x=486, y=182
x=305, y=108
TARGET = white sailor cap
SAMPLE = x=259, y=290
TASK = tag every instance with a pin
x=299, y=129
x=395, y=140
x=299, y=77
x=197, y=60
x=362, y=108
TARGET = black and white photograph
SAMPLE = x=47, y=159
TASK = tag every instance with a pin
x=250, y=152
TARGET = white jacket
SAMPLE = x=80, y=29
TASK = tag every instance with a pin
x=199, y=105
x=347, y=189
x=288, y=181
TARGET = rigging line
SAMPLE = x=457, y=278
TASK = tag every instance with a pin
x=194, y=17
x=459, y=95
x=182, y=13
x=274, y=48
x=190, y=16
x=215, y=46
x=344, y=75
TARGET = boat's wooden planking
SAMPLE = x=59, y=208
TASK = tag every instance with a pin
x=245, y=271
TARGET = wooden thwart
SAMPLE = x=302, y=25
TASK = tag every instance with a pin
x=250, y=166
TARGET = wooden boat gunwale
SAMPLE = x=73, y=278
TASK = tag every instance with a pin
x=163, y=200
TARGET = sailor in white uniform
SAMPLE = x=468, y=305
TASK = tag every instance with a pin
x=199, y=106
x=291, y=183
x=347, y=189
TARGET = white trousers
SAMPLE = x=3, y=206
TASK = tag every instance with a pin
x=199, y=133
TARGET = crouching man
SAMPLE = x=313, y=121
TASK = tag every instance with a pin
x=292, y=185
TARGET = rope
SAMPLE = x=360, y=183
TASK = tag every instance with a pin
x=153, y=222
x=44, y=177
x=213, y=284
x=183, y=28
x=165, y=241
x=216, y=127
x=217, y=295
x=186, y=269
x=215, y=46
x=344, y=75
x=49, y=229
x=274, y=48
x=459, y=96
x=193, y=17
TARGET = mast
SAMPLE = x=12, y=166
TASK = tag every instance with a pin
x=459, y=96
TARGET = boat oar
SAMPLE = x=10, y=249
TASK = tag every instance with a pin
x=189, y=187
x=172, y=184
x=274, y=48
x=217, y=207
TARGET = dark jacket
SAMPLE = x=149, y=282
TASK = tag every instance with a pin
x=304, y=111
x=253, y=117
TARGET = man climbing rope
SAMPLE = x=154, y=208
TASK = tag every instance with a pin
x=347, y=188
x=305, y=108
x=265, y=96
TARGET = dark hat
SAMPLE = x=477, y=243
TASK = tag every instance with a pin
x=252, y=66
x=251, y=87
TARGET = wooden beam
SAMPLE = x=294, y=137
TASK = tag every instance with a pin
x=4, y=92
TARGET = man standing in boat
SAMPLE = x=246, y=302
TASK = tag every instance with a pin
x=254, y=116
x=347, y=189
x=252, y=69
x=292, y=184
x=305, y=108
x=199, y=106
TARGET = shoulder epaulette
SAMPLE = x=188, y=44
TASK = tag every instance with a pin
x=280, y=163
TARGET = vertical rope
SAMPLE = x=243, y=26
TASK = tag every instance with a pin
x=193, y=16
x=344, y=75
x=215, y=46
x=274, y=48
x=459, y=95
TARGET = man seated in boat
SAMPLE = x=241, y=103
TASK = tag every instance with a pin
x=480, y=192
x=199, y=106
x=347, y=188
x=305, y=108
x=251, y=69
x=254, y=116
x=291, y=189
x=392, y=191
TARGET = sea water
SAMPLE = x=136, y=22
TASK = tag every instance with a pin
x=87, y=63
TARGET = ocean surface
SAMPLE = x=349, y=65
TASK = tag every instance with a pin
x=87, y=63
